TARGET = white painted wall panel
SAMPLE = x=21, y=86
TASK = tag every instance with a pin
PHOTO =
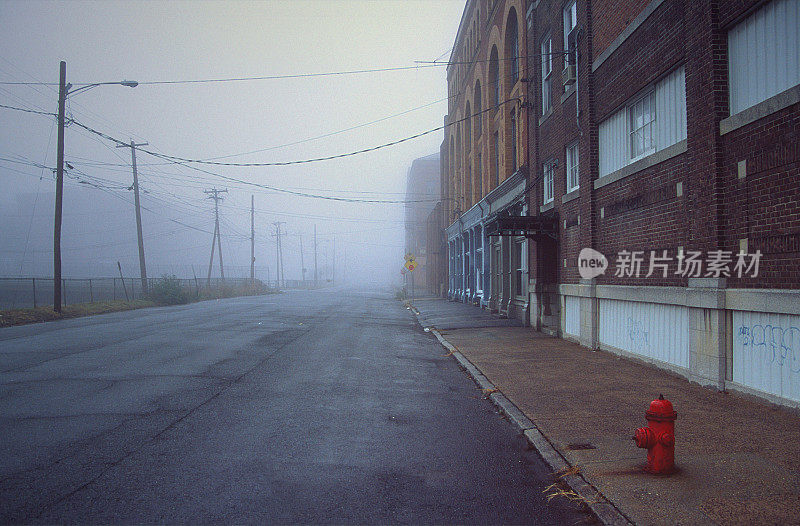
x=766, y=352
x=651, y=330
x=764, y=54
x=613, y=143
x=572, y=315
x=671, y=109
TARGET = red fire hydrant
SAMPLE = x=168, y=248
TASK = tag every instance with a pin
x=659, y=436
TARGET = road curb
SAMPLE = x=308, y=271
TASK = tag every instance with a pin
x=602, y=508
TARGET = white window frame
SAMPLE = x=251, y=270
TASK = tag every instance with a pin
x=664, y=126
x=547, y=72
x=573, y=179
x=570, y=17
x=641, y=115
x=519, y=254
x=547, y=182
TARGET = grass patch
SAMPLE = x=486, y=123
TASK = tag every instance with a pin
x=166, y=291
x=46, y=313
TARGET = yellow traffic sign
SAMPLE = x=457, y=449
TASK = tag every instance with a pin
x=411, y=265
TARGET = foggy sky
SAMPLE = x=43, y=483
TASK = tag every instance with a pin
x=178, y=41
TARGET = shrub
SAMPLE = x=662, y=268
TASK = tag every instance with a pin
x=168, y=291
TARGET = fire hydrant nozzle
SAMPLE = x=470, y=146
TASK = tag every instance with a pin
x=659, y=437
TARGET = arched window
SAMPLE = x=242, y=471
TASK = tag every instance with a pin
x=494, y=76
x=468, y=129
x=513, y=141
x=512, y=48
x=459, y=176
x=452, y=162
x=477, y=110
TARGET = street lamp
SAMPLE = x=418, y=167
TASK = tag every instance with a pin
x=63, y=92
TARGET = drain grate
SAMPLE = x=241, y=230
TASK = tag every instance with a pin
x=581, y=446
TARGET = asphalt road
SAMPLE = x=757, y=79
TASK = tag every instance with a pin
x=303, y=407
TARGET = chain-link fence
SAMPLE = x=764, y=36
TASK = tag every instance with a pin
x=21, y=293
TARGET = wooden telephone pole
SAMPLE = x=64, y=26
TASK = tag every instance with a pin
x=279, y=275
x=252, y=239
x=142, y=266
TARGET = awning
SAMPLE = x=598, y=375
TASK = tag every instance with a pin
x=529, y=226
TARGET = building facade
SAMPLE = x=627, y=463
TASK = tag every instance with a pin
x=486, y=158
x=663, y=135
x=422, y=195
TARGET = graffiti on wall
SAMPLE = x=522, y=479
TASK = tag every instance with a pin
x=637, y=334
x=772, y=344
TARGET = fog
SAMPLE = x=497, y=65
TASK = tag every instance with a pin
x=222, y=115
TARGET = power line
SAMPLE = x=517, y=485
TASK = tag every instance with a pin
x=245, y=79
x=318, y=159
x=50, y=114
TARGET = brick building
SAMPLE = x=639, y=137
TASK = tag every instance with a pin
x=422, y=194
x=664, y=135
x=486, y=154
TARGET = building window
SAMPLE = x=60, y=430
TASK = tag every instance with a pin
x=547, y=182
x=519, y=267
x=494, y=76
x=468, y=187
x=764, y=54
x=547, y=69
x=468, y=129
x=647, y=124
x=479, y=167
x=478, y=260
x=496, y=159
x=513, y=141
x=642, y=115
x=570, y=22
x=512, y=51
x=478, y=112
x=572, y=167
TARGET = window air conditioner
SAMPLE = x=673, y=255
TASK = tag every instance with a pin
x=569, y=75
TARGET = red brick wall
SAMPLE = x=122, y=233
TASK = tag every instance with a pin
x=764, y=207
x=611, y=17
x=643, y=210
x=653, y=50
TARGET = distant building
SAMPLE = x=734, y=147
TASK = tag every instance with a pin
x=662, y=134
x=422, y=194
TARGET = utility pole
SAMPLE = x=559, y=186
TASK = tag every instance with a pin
x=333, y=270
x=279, y=274
x=302, y=264
x=252, y=239
x=315, y=256
x=62, y=97
x=214, y=194
x=63, y=91
x=142, y=266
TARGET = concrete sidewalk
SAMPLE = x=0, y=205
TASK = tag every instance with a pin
x=737, y=458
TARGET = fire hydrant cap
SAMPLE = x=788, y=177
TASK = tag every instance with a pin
x=662, y=408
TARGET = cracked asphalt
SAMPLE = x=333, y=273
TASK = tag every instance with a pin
x=304, y=407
